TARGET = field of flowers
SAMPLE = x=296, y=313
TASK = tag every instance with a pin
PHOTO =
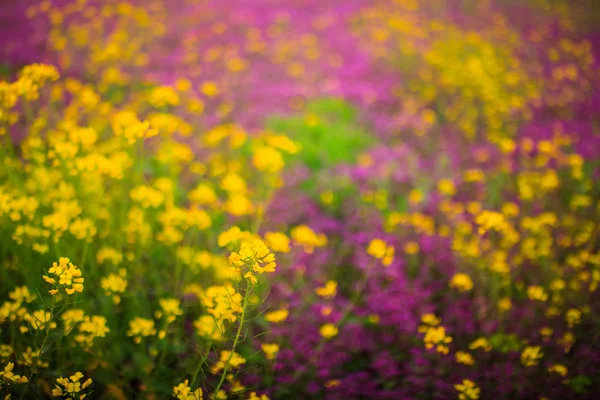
x=302, y=199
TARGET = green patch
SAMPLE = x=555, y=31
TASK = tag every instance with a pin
x=580, y=384
x=328, y=132
x=506, y=342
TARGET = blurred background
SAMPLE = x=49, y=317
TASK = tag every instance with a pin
x=425, y=173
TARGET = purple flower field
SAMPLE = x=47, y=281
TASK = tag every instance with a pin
x=266, y=199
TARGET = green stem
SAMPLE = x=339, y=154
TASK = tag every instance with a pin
x=34, y=361
x=235, y=343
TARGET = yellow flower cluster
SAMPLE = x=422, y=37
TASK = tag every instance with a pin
x=329, y=290
x=379, y=249
x=253, y=258
x=222, y=303
x=233, y=359
x=435, y=334
x=184, y=392
x=465, y=358
x=531, y=356
x=277, y=316
x=306, y=237
x=467, y=390
x=328, y=331
x=115, y=285
x=141, y=327
x=71, y=387
x=171, y=308
x=8, y=377
x=270, y=350
x=461, y=282
x=66, y=275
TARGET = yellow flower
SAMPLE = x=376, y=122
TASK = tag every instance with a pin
x=115, y=284
x=415, y=196
x=141, y=327
x=481, y=343
x=464, y=358
x=379, y=249
x=436, y=337
x=446, y=187
x=210, y=89
x=537, y=293
x=184, y=392
x=270, y=350
x=411, y=248
x=232, y=235
x=267, y=159
x=222, y=302
x=467, y=390
x=68, y=276
x=91, y=328
x=171, y=308
x=306, y=237
x=71, y=387
x=162, y=96
x=7, y=376
x=531, y=356
x=461, y=282
x=254, y=396
x=559, y=369
x=573, y=317
x=227, y=357
x=278, y=241
x=277, y=316
x=208, y=327
x=505, y=304
x=329, y=290
x=256, y=256
x=328, y=331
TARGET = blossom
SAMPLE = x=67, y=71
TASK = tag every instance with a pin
x=277, y=315
x=305, y=236
x=559, y=369
x=537, y=293
x=7, y=376
x=277, y=241
x=184, y=392
x=71, y=387
x=328, y=331
x=461, y=282
x=66, y=275
x=435, y=337
x=233, y=359
x=464, y=358
x=467, y=390
x=379, y=249
x=480, y=343
x=329, y=290
x=141, y=327
x=270, y=350
x=256, y=256
x=267, y=159
x=531, y=356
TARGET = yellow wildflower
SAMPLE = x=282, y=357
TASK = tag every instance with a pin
x=328, y=331
x=461, y=282
x=270, y=350
x=531, y=356
x=467, y=390
x=329, y=290
x=277, y=316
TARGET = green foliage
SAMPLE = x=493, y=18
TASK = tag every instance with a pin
x=580, y=383
x=505, y=342
x=329, y=133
